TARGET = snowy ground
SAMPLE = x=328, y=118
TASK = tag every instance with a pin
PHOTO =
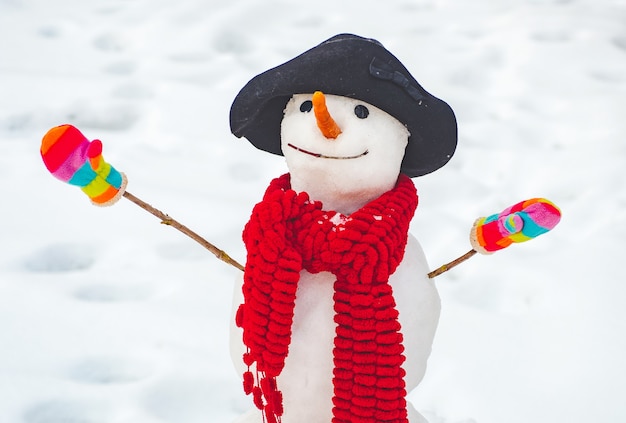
x=108, y=317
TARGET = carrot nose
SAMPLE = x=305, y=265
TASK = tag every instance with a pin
x=325, y=122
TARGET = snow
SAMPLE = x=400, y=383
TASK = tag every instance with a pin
x=107, y=316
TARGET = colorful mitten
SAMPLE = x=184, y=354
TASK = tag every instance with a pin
x=72, y=158
x=518, y=223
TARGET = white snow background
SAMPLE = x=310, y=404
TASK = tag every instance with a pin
x=106, y=316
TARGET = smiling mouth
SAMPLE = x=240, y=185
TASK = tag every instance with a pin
x=323, y=156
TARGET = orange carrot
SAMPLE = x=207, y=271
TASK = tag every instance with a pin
x=325, y=122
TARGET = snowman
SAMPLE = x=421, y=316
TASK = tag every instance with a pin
x=335, y=316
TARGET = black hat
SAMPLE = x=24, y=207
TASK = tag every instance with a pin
x=355, y=67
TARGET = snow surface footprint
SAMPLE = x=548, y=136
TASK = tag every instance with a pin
x=67, y=411
x=620, y=42
x=94, y=115
x=49, y=31
x=61, y=258
x=110, y=42
x=110, y=293
x=133, y=91
x=110, y=370
x=232, y=42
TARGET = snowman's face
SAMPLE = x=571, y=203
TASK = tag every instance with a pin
x=365, y=156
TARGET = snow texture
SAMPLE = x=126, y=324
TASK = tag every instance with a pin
x=108, y=317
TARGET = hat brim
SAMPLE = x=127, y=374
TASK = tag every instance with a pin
x=360, y=68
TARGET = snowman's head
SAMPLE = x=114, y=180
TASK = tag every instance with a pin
x=349, y=67
x=341, y=145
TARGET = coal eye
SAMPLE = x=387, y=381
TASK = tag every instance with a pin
x=306, y=106
x=361, y=111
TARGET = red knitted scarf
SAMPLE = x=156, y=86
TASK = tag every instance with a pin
x=287, y=233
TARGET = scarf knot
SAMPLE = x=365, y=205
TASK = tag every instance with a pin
x=288, y=233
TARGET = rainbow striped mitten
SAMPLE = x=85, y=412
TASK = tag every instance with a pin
x=72, y=158
x=521, y=222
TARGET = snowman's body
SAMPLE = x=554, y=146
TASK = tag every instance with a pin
x=306, y=380
x=344, y=173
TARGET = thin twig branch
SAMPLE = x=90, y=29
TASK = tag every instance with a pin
x=452, y=264
x=167, y=220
